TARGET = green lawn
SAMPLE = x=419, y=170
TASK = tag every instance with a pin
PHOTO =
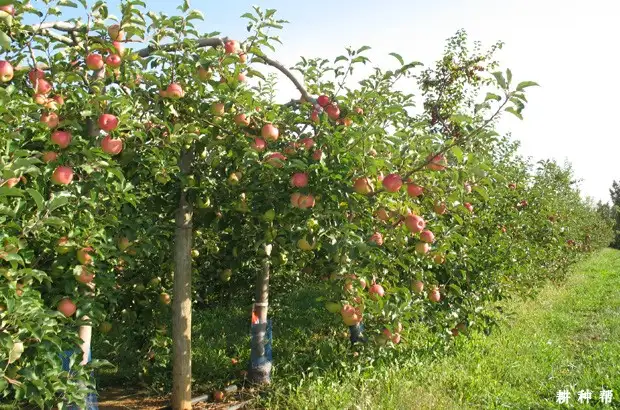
x=568, y=338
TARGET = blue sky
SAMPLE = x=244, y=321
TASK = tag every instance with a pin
x=569, y=47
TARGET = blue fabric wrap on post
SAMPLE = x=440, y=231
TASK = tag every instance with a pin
x=91, y=398
x=264, y=361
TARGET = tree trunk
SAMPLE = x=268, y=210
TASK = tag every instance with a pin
x=182, y=299
x=260, y=354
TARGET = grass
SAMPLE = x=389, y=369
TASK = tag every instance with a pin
x=568, y=338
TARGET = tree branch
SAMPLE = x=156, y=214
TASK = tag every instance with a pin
x=203, y=42
x=266, y=60
x=58, y=37
x=58, y=25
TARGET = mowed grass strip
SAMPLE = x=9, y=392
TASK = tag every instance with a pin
x=568, y=338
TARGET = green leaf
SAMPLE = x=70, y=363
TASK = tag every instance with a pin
x=525, y=84
x=460, y=118
x=6, y=191
x=54, y=221
x=362, y=49
x=5, y=40
x=117, y=173
x=67, y=3
x=499, y=77
x=6, y=2
x=38, y=198
x=58, y=201
x=514, y=112
x=508, y=75
x=491, y=96
x=482, y=192
x=457, y=152
x=398, y=57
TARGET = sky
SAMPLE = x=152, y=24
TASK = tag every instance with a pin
x=568, y=47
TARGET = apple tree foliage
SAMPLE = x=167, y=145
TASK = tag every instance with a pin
x=396, y=194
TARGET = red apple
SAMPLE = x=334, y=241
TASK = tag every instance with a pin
x=85, y=276
x=270, y=132
x=308, y=143
x=67, y=307
x=376, y=238
x=439, y=259
x=119, y=47
x=299, y=180
x=417, y=286
x=42, y=86
x=382, y=214
x=61, y=138
x=164, y=298
x=434, y=295
x=258, y=145
x=62, y=175
x=112, y=146
x=84, y=257
x=414, y=190
x=204, y=73
x=314, y=116
x=231, y=47
x=439, y=208
x=108, y=122
x=306, y=201
x=59, y=100
x=243, y=57
x=275, y=159
x=9, y=9
x=351, y=315
x=358, y=111
x=50, y=119
x=469, y=206
x=113, y=60
x=35, y=74
x=427, y=236
x=241, y=77
x=363, y=186
x=332, y=111
x=116, y=33
x=40, y=99
x=175, y=91
x=512, y=185
x=6, y=71
x=347, y=122
x=217, y=109
x=422, y=248
x=437, y=163
x=376, y=290
x=322, y=100
x=415, y=223
x=11, y=182
x=242, y=119
x=123, y=243
x=94, y=61
x=392, y=183
x=317, y=155
x=295, y=199
x=218, y=396
x=49, y=156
